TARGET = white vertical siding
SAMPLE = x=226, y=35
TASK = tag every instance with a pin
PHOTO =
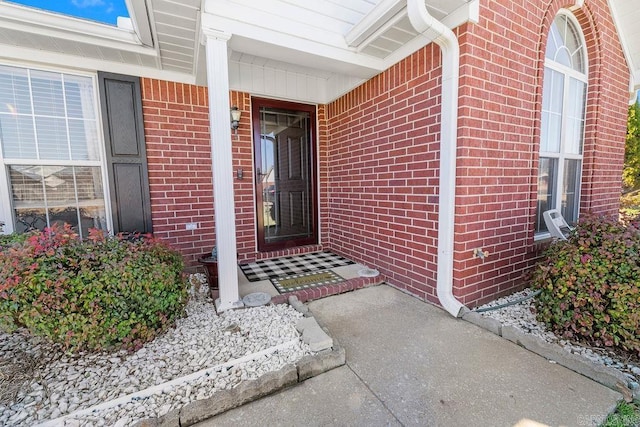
x=264, y=80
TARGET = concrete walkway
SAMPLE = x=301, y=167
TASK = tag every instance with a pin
x=410, y=363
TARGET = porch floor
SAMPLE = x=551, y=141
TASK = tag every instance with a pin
x=350, y=273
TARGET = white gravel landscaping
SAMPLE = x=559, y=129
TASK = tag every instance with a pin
x=204, y=353
x=522, y=316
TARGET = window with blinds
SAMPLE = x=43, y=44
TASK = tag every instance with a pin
x=51, y=161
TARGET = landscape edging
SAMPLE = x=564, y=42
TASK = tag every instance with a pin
x=248, y=391
x=609, y=377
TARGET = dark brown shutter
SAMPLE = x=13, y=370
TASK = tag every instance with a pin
x=121, y=105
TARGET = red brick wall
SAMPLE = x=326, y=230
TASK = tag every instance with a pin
x=323, y=174
x=176, y=126
x=382, y=172
x=243, y=189
x=500, y=102
x=607, y=107
x=501, y=69
x=384, y=145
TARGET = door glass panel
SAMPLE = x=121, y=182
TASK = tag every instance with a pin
x=284, y=179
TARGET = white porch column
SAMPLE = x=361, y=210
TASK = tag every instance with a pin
x=220, y=129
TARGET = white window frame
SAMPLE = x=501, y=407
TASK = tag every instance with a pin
x=6, y=201
x=562, y=155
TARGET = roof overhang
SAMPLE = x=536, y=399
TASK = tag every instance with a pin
x=626, y=15
x=34, y=35
x=328, y=46
x=34, y=22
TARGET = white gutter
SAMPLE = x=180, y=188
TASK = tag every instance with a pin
x=439, y=33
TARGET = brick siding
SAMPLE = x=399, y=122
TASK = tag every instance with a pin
x=176, y=125
x=384, y=152
x=383, y=172
x=378, y=155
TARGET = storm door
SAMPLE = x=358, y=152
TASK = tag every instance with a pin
x=284, y=141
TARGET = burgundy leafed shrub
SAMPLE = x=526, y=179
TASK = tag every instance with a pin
x=103, y=293
x=591, y=284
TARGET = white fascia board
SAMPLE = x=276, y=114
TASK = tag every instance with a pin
x=474, y=11
x=54, y=25
x=139, y=14
x=334, y=48
x=465, y=13
x=312, y=59
x=270, y=95
x=54, y=59
x=371, y=23
x=407, y=49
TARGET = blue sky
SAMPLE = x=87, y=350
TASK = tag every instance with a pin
x=105, y=11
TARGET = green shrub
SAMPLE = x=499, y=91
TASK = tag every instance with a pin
x=102, y=293
x=630, y=204
x=7, y=240
x=591, y=284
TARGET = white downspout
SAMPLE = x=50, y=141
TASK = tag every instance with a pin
x=435, y=30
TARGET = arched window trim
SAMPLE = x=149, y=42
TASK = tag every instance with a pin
x=583, y=43
x=561, y=156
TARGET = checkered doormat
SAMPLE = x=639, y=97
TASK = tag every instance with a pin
x=278, y=267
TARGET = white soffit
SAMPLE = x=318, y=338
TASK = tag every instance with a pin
x=352, y=40
x=177, y=31
x=626, y=14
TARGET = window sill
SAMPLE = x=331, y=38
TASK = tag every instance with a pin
x=542, y=237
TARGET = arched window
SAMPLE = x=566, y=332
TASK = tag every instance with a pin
x=563, y=117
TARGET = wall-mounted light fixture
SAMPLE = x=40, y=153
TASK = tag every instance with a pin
x=235, y=118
